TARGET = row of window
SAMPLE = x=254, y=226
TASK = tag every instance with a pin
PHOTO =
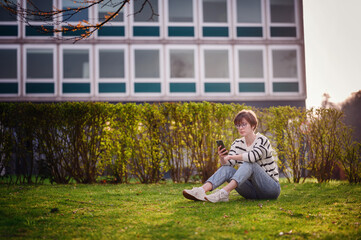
x=176, y=18
x=122, y=70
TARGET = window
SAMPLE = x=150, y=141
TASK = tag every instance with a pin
x=283, y=18
x=180, y=11
x=216, y=64
x=215, y=18
x=215, y=11
x=76, y=72
x=116, y=27
x=5, y=15
x=285, y=69
x=111, y=70
x=249, y=11
x=284, y=63
x=181, y=63
x=75, y=64
x=180, y=18
x=251, y=69
x=146, y=63
x=181, y=75
x=145, y=18
x=111, y=63
x=250, y=63
x=73, y=16
x=39, y=6
x=39, y=64
x=146, y=73
x=8, y=64
x=108, y=7
x=249, y=21
x=146, y=14
x=282, y=11
x=8, y=22
x=9, y=76
x=39, y=70
x=39, y=23
x=216, y=75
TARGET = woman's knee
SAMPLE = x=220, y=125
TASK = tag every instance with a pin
x=227, y=168
x=246, y=165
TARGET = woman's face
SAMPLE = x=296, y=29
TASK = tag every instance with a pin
x=244, y=128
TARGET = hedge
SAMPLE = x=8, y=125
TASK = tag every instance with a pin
x=84, y=140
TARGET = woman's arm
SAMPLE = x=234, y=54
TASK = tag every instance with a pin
x=261, y=150
x=237, y=158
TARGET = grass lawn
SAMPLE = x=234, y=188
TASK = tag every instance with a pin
x=159, y=211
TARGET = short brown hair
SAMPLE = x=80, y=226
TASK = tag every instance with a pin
x=250, y=117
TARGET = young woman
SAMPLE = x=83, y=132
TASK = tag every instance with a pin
x=257, y=174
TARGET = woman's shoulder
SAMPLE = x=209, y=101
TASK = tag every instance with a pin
x=239, y=141
x=262, y=138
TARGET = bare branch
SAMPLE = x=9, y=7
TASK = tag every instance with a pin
x=63, y=17
x=154, y=14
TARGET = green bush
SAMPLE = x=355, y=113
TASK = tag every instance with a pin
x=83, y=141
x=5, y=137
x=287, y=128
x=350, y=156
x=21, y=125
x=325, y=129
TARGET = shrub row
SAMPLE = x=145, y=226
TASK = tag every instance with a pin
x=82, y=141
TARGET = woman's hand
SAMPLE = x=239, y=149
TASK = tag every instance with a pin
x=222, y=152
x=227, y=158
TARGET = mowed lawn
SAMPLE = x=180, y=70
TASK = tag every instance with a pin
x=159, y=211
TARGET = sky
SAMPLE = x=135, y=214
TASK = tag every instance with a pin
x=332, y=49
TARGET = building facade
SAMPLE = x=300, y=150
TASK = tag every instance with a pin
x=245, y=51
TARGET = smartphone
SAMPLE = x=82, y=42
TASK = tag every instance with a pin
x=220, y=143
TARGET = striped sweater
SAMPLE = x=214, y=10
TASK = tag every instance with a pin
x=260, y=152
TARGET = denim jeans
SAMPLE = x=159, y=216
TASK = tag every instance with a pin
x=253, y=182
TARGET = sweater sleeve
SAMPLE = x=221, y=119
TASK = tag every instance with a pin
x=261, y=150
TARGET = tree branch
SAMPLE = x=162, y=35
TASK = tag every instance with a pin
x=62, y=17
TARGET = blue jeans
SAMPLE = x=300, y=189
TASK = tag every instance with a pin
x=253, y=182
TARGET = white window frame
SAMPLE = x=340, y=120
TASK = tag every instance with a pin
x=195, y=79
x=124, y=24
x=237, y=24
x=181, y=24
x=38, y=24
x=227, y=24
x=146, y=24
x=230, y=78
x=299, y=77
x=134, y=80
x=55, y=73
x=76, y=80
x=14, y=23
x=98, y=79
x=295, y=24
x=90, y=20
x=252, y=80
x=13, y=80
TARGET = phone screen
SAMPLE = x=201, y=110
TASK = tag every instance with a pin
x=220, y=143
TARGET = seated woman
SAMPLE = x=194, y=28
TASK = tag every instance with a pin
x=257, y=174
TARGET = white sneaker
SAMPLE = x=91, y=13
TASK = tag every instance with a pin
x=219, y=196
x=197, y=194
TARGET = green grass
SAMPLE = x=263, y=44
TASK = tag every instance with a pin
x=159, y=211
